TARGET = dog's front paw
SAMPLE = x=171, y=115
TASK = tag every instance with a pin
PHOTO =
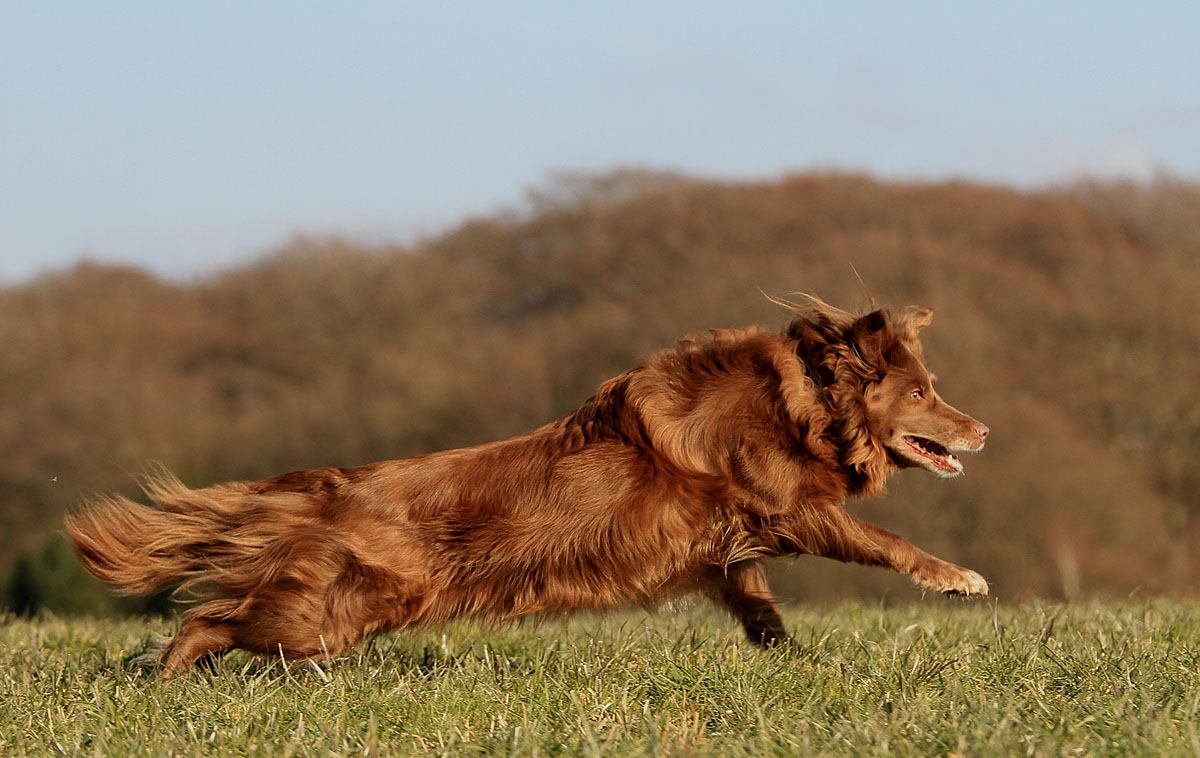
x=952, y=580
x=969, y=584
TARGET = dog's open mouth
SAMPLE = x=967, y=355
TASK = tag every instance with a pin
x=942, y=459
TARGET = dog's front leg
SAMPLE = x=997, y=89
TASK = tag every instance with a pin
x=834, y=533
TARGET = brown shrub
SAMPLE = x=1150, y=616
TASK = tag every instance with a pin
x=1067, y=320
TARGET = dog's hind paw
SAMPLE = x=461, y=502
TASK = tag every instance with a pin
x=146, y=663
x=150, y=659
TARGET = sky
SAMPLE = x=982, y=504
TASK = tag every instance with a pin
x=186, y=137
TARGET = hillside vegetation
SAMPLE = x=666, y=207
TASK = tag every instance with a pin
x=1066, y=319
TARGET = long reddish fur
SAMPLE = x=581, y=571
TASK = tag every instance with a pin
x=678, y=476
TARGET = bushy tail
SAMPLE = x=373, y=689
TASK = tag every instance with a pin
x=140, y=549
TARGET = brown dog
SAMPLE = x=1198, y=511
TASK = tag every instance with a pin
x=679, y=475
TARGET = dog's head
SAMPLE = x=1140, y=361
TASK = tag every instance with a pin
x=873, y=371
x=903, y=408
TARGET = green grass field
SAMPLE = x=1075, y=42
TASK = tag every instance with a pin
x=932, y=678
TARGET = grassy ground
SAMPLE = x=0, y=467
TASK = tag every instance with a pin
x=933, y=678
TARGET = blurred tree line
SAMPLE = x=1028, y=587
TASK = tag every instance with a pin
x=1065, y=318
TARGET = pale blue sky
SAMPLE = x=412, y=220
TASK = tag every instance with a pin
x=186, y=136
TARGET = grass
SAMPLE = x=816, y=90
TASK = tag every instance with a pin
x=931, y=678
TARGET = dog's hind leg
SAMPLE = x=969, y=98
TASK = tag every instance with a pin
x=199, y=637
x=367, y=600
x=743, y=591
x=300, y=623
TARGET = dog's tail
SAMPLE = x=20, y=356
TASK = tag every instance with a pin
x=191, y=538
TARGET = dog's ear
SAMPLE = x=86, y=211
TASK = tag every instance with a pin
x=812, y=348
x=867, y=338
x=915, y=319
x=875, y=321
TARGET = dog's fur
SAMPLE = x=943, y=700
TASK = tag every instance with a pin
x=679, y=475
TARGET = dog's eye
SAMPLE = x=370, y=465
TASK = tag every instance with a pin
x=917, y=395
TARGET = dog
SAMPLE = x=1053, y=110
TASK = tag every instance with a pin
x=679, y=476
